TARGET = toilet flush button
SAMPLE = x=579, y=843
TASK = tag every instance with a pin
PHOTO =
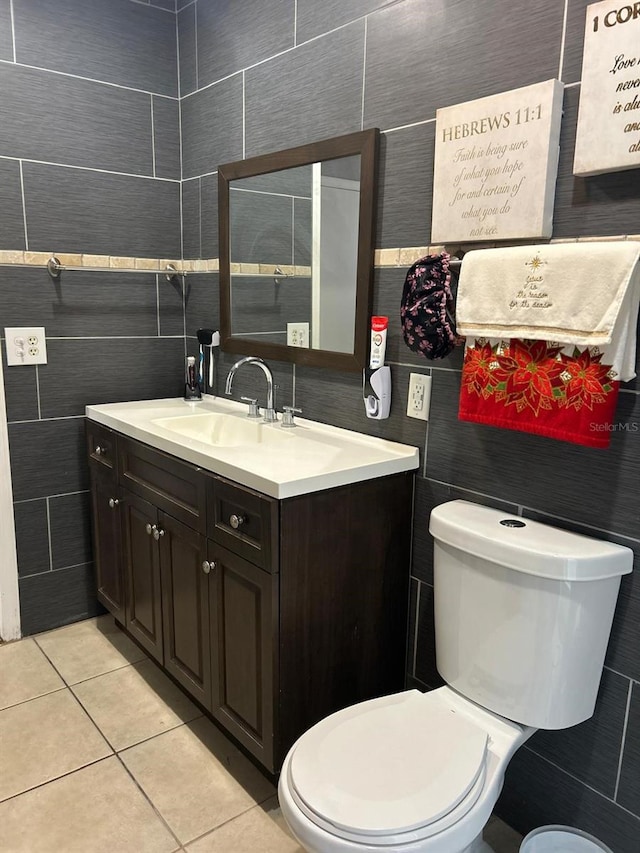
x=512, y=522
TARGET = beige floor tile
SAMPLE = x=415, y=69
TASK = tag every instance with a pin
x=260, y=830
x=134, y=703
x=89, y=648
x=43, y=739
x=95, y=810
x=25, y=673
x=501, y=838
x=196, y=778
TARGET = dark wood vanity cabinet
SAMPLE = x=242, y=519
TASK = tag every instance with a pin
x=270, y=613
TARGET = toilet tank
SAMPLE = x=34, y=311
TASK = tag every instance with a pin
x=523, y=612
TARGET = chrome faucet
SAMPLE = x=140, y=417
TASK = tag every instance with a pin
x=270, y=414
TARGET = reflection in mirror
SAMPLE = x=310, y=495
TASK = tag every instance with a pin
x=296, y=252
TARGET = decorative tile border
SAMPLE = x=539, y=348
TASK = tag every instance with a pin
x=383, y=258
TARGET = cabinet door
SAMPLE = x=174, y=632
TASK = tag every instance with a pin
x=142, y=571
x=107, y=545
x=242, y=606
x=185, y=604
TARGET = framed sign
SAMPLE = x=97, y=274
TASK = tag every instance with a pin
x=608, y=134
x=495, y=166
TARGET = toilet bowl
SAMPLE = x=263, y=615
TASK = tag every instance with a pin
x=523, y=614
x=411, y=771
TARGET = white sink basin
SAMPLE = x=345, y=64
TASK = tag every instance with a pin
x=222, y=429
x=217, y=435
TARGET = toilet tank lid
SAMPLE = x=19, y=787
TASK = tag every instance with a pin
x=527, y=546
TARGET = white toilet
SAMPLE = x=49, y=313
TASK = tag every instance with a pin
x=523, y=614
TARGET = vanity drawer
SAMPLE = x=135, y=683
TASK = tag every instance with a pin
x=170, y=484
x=101, y=449
x=244, y=521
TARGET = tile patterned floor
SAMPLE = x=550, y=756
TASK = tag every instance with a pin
x=101, y=753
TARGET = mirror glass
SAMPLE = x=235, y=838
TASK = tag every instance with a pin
x=296, y=252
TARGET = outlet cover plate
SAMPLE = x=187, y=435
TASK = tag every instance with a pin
x=298, y=335
x=25, y=345
x=419, y=397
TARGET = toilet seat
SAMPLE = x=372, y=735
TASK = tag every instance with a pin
x=391, y=770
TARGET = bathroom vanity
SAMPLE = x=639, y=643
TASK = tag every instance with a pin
x=265, y=569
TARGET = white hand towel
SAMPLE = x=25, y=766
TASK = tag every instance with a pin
x=568, y=293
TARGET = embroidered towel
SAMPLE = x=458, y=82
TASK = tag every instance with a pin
x=548, y=388
x=570, y=293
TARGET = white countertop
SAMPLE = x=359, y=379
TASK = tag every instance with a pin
x=279, y=462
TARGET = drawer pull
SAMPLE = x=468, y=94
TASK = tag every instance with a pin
x=150, y=529
x=208, y=566
x=157, y=532
x=237, y=521
x=100, y=451
x=113, y=502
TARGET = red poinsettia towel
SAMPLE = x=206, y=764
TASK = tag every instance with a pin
x=534, y=386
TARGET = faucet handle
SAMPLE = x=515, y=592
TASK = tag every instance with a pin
x=254, y=410
x=287, y=417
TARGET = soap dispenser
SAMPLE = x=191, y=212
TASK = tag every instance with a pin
x=191, y=386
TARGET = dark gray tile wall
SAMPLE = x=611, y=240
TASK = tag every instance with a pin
x=119, y=42
x=100, y=126
x=166, y=135
x=11, y=220
x=212, y=127
x=365, y=63
x=97, y=110
x=233, y=36
x=76, y=210
x=6, y=39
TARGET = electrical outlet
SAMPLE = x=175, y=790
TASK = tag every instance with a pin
x=419, y=397
x=298, y=335
x=25, y=345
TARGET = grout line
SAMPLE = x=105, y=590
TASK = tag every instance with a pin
x=471, y=491
x=152, y=5
x=426, y=443
x=200, y=216
x=295, y=23
x=621, y=674
x=61, y=569
x=13, y=30
x=408, y=126
x=623, y=742
x=32, y=698
x=579, y=781
x=24, y=207
x=49, y=534
x=195, y=40
x=158, y=302
x=563, y=38
x=44, y=497
x=149, y=800
x=153, y=138
x=415, y=633
x=244, y=117
x=38, y=393
x=68, y=772
x=289, y=49
x=88, y=169
x=88, y=79
x=578, y=523
x=269, y=193
x=364, y=70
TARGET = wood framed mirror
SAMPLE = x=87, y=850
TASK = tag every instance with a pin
x=296, y=252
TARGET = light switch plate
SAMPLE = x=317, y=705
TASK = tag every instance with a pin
x=25, y=345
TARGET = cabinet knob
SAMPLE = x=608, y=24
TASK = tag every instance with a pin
x=100, y=451
x=113, y=502
x=157, y=532
x=150, y=529
x=208, y=566
x=237, y=521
